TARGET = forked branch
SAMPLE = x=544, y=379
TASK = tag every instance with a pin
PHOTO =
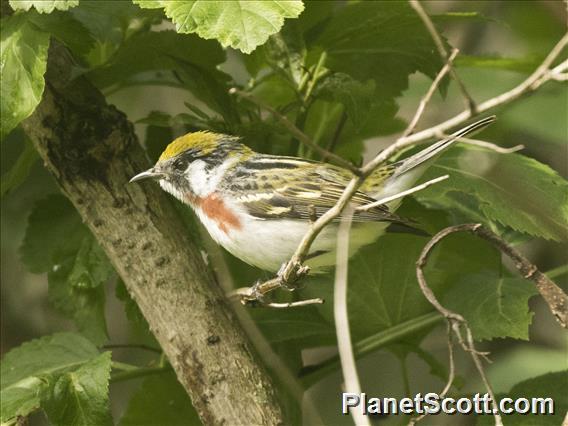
x=553, y=295
x=294, y=269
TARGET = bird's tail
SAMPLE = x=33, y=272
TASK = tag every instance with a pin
x=404, y=173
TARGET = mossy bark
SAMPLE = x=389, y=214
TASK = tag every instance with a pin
x=91, y=149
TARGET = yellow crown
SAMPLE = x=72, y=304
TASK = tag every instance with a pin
x=205, y=141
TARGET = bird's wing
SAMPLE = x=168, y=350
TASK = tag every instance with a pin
x=286, y=187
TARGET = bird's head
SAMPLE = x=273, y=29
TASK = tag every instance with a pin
x=190, y=164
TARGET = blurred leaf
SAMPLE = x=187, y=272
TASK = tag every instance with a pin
x=66, y=29
x=305, y=324
x=157, y=51
x=149, y=4
x=20, y=169
x=80, y=397
x=356, y=97
x=111, y=23
x=161, y=400
x=494, y=306
x=54, y=233
x=57, y=242
x=275, y=90
x=131, y=308
x=510, y=189
x=43, y=6
x=551, y=385
x=76, y=288
x=25, y=369
x=387, y=44
x=243, y=25
x=524, y=65
x=23, y=59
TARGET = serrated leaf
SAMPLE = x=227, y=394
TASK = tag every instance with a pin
x=157, y=51
x=548, y=386
x=161, y=400
x=80, y=397
x=20, y=169
x=43, y=6
x=510, y=189
x=493, y=306
x=25, y=369
x=23, y=60
x=243, y=25
x=356, y=97
x=387, y=44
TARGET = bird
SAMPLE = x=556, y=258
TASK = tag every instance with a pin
x=259, y=206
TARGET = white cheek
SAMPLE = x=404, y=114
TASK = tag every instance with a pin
x=198, y=178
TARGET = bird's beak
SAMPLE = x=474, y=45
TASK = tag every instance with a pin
x=150, y=173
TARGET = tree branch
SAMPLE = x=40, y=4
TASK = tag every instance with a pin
x=92, y=151
x=437, y=38
x=294, y=269
x=553, y=295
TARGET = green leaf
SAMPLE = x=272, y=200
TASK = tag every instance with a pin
x=384, y=41
x=54, y=233
x=23, y=59
x=43, y=6
x=65, y=28
x=157, y=51
x=149, y=4
x=509, y=189
x=493, y=306
x=20, y=169
x=80, y=397
x=57, y=242
x=111, y=23
x=27, y=368
x=356, y=97
x=551, y=385
x=76, y=288
x=161, y=400
x=243, y=25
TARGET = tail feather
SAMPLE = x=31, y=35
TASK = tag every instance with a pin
x=435, y=149
x=400, y=179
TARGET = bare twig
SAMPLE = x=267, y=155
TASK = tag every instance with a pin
x=424, y=101
x=553, y=295
x=489, y=145
x=294, y=269
x=415, y=4
x=451, y=373
x=403, y=193
x=298, y=134
x=345, y=348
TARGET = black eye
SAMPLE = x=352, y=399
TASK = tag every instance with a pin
x=180, y=164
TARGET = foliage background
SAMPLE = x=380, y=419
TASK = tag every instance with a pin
x=521, y=30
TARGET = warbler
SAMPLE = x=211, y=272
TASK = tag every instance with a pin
x=259, y=206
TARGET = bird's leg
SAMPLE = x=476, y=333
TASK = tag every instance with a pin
x=289, y=275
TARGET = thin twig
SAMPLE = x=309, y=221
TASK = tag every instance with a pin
x=294, y=269
x=489, y=145
x=553, y=295
x=470, y=103
x=344, y=346
x=426, y=98
x=402, y=194
x=298, y=134
x=451, y=373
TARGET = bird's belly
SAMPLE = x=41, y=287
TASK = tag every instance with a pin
x=267, y=244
